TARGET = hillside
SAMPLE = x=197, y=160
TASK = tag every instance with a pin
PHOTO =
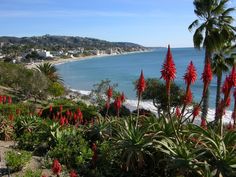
x=51, y=41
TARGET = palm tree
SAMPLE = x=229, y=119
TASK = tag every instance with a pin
x=50, y=72
x=221, y=62
x=213, y=28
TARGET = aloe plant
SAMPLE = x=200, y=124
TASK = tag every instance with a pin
x=134, y=143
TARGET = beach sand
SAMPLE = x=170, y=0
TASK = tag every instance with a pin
x=57, y=61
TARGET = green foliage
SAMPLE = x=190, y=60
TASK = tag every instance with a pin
x=112, y=111
x=7, y=109
x=100, y=131
x=16, y=160
x=89, y=111
x=98, y=94
x=22, y=81
x=32, y=173
x=33, y=56
x=57, y=43
x=134, y=144
x=50, y=71
x=56, y=89
x=156, y=91
x=34, y=134
x=72, y=149
x=6, y=129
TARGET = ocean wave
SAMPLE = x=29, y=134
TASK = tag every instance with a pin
x=148, y=105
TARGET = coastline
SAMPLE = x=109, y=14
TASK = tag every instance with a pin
x=58, y=61
x=148, y=105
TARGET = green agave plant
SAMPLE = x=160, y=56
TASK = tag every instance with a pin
x=220, y=152
x=101, y=130
x=135, y=144
x=182, y=158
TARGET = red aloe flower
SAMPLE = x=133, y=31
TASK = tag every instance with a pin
x=196, y=111
x=117, y=104
x=73, y=174
x=122, y=97
x=67, y=113
x=50, y=108
x=62, y=121
x=11, y=117
x=75, y=117
x=141, y=86
x=1, y=99
x=56, y=167
x=43, y=176
x=191, y=75
x=4, y=99
x=204, y=123
x=206, y=76
x=227, y=102
x=188, y=97
x=80, y=115
x=177, y=112
x=226, y=85
x=9, y=100
x=168, y=72
x=61, y=108
x=109, y=93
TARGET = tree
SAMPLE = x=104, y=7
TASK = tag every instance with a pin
x=156, y=91
x=213, y=28
x=50, y=72
x=221, y=62
x=56, y=89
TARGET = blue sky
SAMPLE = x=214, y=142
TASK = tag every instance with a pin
x=147, y=22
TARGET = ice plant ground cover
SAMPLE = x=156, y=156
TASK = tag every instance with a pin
x=74, y=139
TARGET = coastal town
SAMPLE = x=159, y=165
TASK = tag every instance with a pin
x=13, y=52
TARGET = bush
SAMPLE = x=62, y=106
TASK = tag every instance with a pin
x=32, y=173
x=34, y=134
x=6, y=129
x=89, y=112
x=72, y=149
x=22, y=108
x=112, y=111
x=16, y=160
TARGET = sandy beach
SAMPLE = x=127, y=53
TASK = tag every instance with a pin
x=57, y=61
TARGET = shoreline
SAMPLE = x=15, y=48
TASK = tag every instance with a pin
x=58, y=61
x=131, y=104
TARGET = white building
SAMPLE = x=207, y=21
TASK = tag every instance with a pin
x=45, y=54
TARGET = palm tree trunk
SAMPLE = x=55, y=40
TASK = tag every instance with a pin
x=205, y=104
x=219, y=80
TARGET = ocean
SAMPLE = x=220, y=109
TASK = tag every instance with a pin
x=125, y=69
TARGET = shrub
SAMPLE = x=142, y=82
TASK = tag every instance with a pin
x=88, y=112
x=34, y=134
x=16, y=160
x=6, y=129
x=112, y=111
x=71, y=149
x=32, y=173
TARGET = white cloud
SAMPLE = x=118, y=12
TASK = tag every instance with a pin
x=63, y=13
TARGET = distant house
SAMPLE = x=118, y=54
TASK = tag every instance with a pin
x=45, y=54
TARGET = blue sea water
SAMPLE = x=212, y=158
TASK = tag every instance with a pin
x=125, y=69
